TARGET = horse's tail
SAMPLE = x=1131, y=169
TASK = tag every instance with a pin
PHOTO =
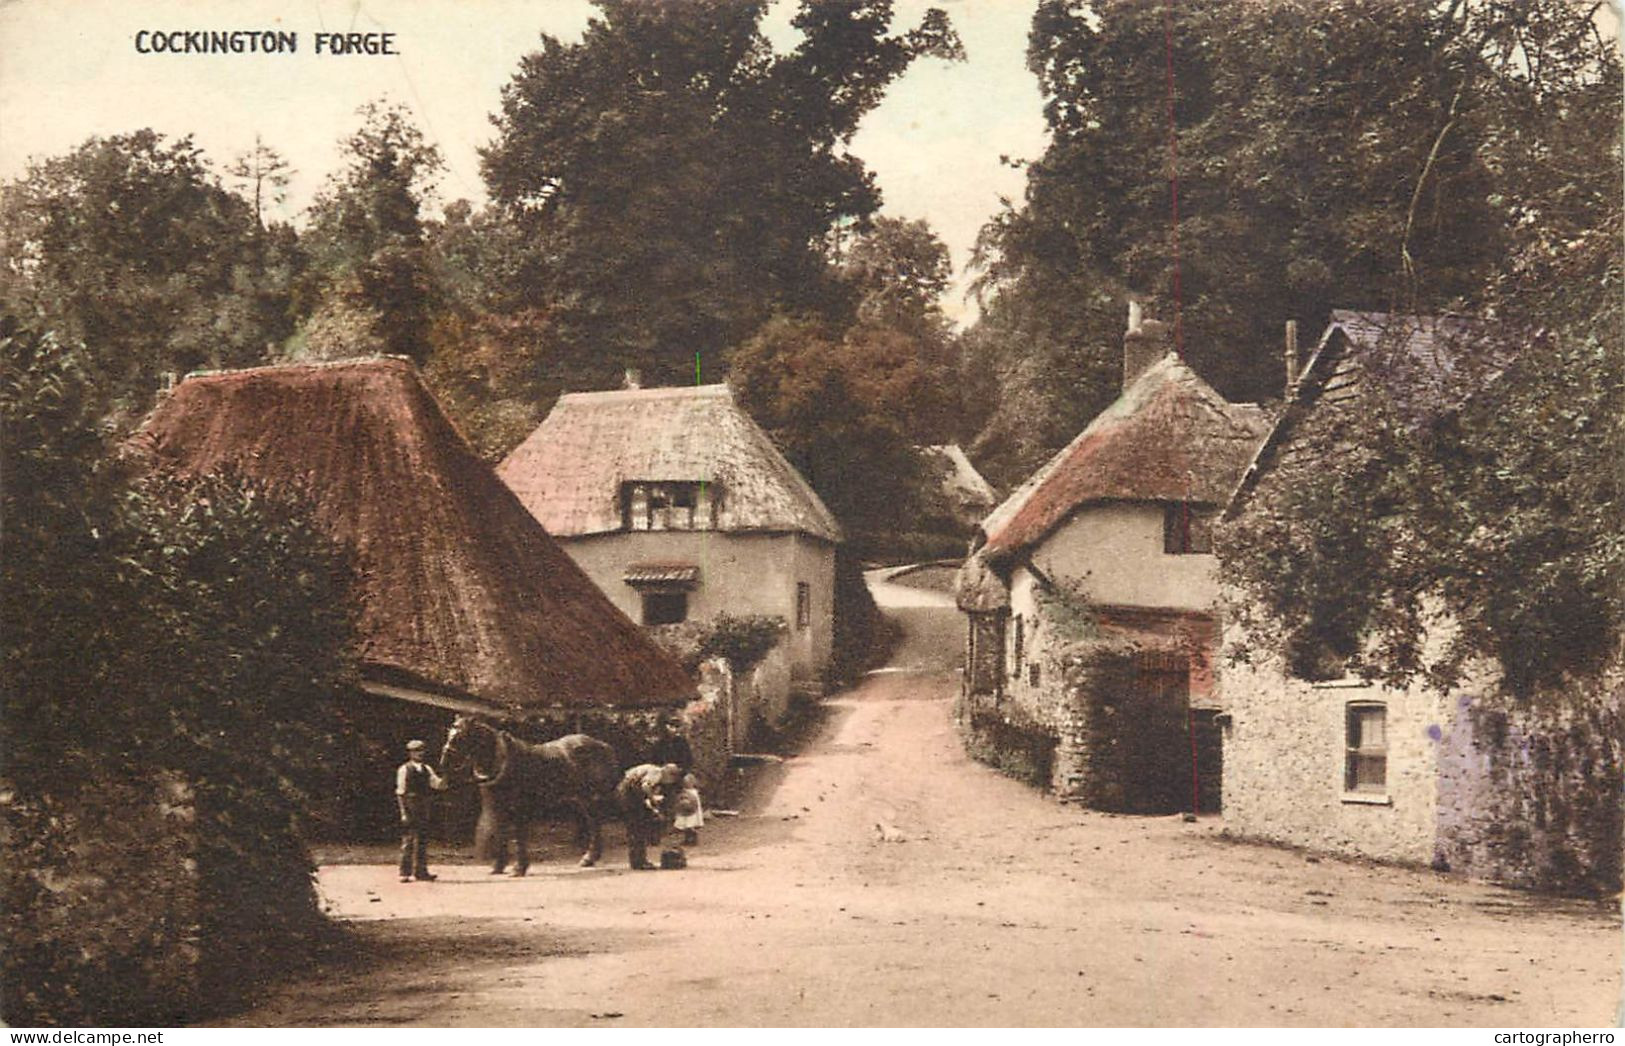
x=488, y=838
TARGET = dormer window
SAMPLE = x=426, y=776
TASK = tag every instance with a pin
x=1187, y=529
x=668, y=505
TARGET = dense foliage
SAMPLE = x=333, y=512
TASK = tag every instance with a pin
x=742, y=640
x=156, y=638
x=131, y=246
x=371, y=270
x=1354, y=155
x=676, y=179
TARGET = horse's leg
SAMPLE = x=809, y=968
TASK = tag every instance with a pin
x=583, y=821
x=521, y=842
x=590, y=832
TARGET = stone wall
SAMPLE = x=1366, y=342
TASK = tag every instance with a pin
x=1529, y=790
x=1123, y=729
x=1284, y=762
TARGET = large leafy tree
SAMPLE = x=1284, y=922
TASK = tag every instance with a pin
x=838, y=404
x=677, y=179
x=366, y=240
x=1328, y=155
x=1503, y=513
x=130, y=245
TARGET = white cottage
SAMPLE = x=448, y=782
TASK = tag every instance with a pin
x=680, y=507
x=1090, y=593
x=1513, y=790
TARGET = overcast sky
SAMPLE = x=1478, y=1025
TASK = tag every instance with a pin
x=69, y=70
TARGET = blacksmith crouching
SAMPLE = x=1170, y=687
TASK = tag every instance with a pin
x=648, y=796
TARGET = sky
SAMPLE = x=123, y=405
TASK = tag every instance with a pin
x=69, y=70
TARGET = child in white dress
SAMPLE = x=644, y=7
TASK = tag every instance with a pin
x=690, y=816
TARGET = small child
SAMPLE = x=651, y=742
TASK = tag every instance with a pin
x=689, y=814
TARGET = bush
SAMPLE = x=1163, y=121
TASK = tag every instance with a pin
x=154, y=636
x=740, y=639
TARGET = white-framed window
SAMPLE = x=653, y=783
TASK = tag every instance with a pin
x=1365, y=764
x=668, y=505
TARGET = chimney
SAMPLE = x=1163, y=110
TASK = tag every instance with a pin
x=1144, y=343
x=1291, y=358
x=633, y=379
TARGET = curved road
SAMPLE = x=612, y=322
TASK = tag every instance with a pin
x=881, y=878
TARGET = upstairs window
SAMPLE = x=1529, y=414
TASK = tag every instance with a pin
x=668, y=505
x=803, y=604
x=1187, y=529
x=1365, y=767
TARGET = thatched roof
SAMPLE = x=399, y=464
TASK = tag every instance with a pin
x=570, y=470
x=461, y=592
x=1168, y=437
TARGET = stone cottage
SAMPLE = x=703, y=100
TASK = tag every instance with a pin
x=465, y=604
x=1089, y=595
x=680, y=507
x=1515, y=791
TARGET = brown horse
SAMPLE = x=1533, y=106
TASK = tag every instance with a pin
x=521, y=782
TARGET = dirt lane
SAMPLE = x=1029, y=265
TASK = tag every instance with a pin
x=881, y=878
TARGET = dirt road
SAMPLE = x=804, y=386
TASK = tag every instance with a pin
x=880, y=878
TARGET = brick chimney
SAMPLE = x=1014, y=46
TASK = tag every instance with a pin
x=1144, y=343
x=633, y=379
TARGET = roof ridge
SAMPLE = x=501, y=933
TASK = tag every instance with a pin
x=292, y=366
x=717, y=389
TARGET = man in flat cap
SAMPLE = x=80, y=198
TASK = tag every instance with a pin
x=414, y=782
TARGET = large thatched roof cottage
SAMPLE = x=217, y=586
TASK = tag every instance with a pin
x=464, y=600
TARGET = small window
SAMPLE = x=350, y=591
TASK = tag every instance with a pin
x=668, y=505
x=1018, y=643
x=1365, y=768
x=803, y=604
x=665, y=608
x=1187, y=529
x=1032, y=673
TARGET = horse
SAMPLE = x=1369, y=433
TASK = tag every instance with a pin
x=521, y=782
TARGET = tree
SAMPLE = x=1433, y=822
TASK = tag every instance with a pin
x=676, y=179
x=1503, y=514
x=837, y=406
x=262, y=175
x=366, y=242
x=130, y=245
x=1328, y=156
x=157, y=639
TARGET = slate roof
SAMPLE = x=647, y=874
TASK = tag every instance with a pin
x=1168, y=437
x=569, y=471
x=1427, y=367
x=461, y=592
